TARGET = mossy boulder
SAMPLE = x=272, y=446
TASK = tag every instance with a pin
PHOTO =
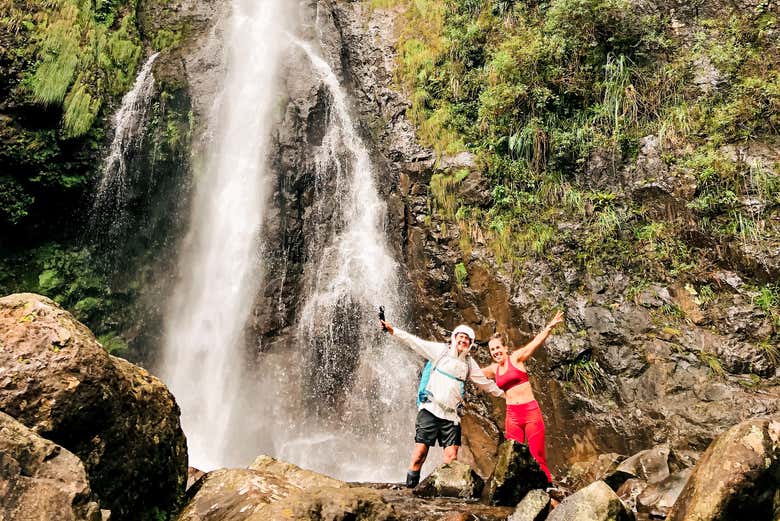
x=454, y=479
x=596, y=502
x=121, y=421
x=516, y=473
x=271, y=489
x=737, y=477
x=41, y=480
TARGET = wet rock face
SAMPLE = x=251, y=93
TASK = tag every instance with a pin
x=483, y=436
x=453, y=479
x=117, y=418
x=598, y=468
x=41, y=480
x=516, y=473
x=736, y=478
x=649, y=481
x=596, y=502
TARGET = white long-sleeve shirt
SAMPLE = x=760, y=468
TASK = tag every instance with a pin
x=446, y=391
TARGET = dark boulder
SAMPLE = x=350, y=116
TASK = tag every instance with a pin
x=41, y=480
x=117, y=418
x=737, y=477
x=516, y=473
x=454, y=479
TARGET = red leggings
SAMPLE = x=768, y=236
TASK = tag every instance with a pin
x=524, y=420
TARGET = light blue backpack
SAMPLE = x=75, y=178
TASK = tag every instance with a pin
x=423, y=394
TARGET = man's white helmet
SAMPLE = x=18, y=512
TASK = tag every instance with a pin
x=463, y=329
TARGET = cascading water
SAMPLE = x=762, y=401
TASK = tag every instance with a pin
x=219, y=273
x=128, y=123
x=338, y=398
x=353, y=414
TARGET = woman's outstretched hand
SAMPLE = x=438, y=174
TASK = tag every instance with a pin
x=386, y=325
x=557, y=319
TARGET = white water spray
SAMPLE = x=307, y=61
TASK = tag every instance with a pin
x=128, y=123
x=219, y=272
x=364, y=435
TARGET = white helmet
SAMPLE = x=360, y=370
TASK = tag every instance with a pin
x=463, y=329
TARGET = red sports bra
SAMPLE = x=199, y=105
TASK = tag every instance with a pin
x=511, y=378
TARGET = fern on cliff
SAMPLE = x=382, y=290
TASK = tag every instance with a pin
x=84, y=57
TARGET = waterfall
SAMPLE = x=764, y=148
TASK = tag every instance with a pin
x=128, y=124
x=352, y=416
x=339, y=396
x=219, y=270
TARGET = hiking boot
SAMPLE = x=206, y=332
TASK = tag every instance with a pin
x=412, y=478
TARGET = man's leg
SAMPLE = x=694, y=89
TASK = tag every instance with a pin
x=418, y=457
x=449, y=438
x=451, y=453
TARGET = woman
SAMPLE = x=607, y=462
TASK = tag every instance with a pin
x=523, y=417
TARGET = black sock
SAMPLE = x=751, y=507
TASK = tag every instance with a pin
x=412, y=478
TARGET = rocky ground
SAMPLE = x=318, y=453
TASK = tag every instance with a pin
x=87, y=436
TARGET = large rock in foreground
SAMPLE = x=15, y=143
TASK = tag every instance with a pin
x=118, y=419
x=274, y=490
x=454, y=479
x=737, y=477
x=596, y=502
x=516, y=473
x=41, y=480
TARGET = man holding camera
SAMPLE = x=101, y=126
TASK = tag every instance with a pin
x=441, y=397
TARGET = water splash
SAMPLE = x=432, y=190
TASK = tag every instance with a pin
x=128, y=123
x=219, y=272
x=355, y=416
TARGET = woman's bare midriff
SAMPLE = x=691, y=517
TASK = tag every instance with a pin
x=520, y=394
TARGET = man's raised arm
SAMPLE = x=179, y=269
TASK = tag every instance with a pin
x=428, y=349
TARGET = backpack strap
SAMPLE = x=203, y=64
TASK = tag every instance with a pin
x=433, y=367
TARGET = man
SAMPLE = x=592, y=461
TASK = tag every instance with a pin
x=438, y=418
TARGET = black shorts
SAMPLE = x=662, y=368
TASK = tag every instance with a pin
x=430, y=428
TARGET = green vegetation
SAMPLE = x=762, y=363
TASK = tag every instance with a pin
x=461, y=274
x=74, y=278
x=553, y=98
x=64, y=66
x=586, y=373
x=85, y=54
x=67, y=61
x=713, y=362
